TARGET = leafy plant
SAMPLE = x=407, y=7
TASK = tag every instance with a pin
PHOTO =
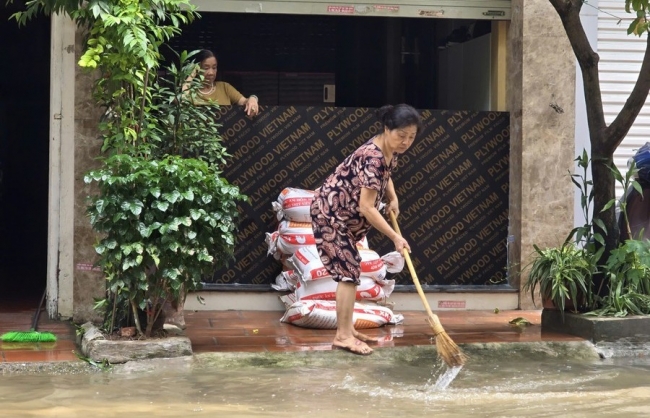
x=628, y=271
x=628, y=267
x=584, y=235
x=562, y=274
x=182, y=128
x=165, y=216
x=165, y=225
x=104, y=365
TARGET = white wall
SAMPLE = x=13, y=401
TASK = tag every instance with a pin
x=589, y=18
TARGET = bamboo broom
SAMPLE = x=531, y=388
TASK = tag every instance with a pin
x=447, y=349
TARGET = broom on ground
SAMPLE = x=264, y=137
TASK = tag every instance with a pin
x=446, y=347
x=31, y=336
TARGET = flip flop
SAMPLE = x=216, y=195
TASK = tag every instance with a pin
x=350, y=350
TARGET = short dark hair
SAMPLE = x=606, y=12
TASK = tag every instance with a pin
x=203, y=55
x=399, y=116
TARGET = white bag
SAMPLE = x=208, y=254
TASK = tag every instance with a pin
x=368, y=289
x=286, y=281
x=309, y=266
x=394, y=261
x=294, y=205
x=322, y=315
x=294, y=235
x=272, y=242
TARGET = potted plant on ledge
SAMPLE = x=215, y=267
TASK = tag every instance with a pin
x=563, y=276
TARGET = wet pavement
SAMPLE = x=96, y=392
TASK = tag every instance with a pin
x=262, y=332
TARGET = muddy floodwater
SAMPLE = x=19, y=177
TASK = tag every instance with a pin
x=337, y=385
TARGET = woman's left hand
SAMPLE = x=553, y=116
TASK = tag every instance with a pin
x=392, y=206
x=252, y=108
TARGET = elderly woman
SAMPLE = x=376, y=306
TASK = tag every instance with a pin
x=347, y=205
x=220, y=92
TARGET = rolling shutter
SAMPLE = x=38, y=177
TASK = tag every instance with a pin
x=620, y=62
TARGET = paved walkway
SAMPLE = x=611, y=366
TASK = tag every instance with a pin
x=256, y=331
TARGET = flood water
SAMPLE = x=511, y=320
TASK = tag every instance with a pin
x=485, y=387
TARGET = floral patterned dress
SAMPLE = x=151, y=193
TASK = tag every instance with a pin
x=336, y=219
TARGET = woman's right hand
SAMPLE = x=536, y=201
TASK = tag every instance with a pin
x=400, y=244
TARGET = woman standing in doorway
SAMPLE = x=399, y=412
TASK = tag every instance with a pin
x=347, y=205
x=220, y=92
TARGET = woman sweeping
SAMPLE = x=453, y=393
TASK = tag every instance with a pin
x=347, y=205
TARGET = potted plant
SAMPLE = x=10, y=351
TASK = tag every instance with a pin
x=563, y=276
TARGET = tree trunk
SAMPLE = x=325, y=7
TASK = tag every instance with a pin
x=604, y=191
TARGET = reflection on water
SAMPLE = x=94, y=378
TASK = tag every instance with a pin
x=484, y=388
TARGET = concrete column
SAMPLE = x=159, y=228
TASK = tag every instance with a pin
x=541, y=101
x=61, y=177
x=88, y=283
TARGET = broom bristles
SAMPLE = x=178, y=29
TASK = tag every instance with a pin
x=450, y=353
x=447, y=349
x=28, y=336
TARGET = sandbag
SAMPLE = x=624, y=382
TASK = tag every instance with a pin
x=286, y=281
x=394, y=262
x=294, y=205
x=307, y=263
x=368, y=289
x=294, y=235
x=322, y=315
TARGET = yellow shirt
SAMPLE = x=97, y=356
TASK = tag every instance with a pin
x=223, y=94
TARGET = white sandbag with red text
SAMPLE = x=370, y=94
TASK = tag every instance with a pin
x=325, y=289
x=294, y=235
x=307, y=263
x=271, y=241
x=394, y=262
x=286, y=281
x=321, y=314
x=294, y=205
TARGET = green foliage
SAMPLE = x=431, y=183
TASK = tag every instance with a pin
x=158, y=117
x=626, y=271
x=165, y=216
x=585, y=235
x=103, y=365
x=639, y=25
x=562, y=274
x=165, y=224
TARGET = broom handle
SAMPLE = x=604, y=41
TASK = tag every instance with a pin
x=38, y=310
x=407, y=257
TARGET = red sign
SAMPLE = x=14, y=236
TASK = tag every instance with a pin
x=349, y=10
x=386, y=8
x=451, y=304
x=87, y=267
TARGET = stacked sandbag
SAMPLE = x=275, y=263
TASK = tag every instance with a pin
x=321, y=314
x=315, y=282
x=313, y=292
x=294, y=231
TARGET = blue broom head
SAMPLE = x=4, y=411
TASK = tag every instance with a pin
x=28, y=337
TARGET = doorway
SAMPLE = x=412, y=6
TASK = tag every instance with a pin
x=24, y=158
